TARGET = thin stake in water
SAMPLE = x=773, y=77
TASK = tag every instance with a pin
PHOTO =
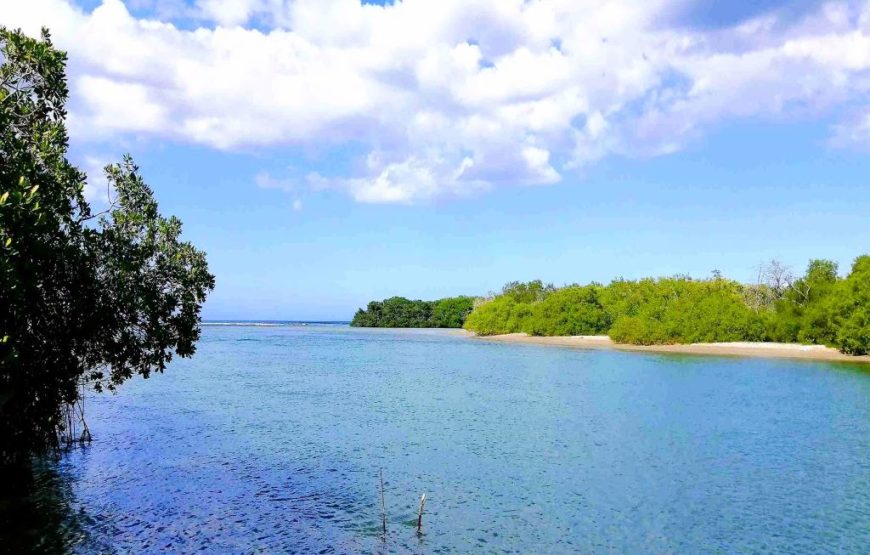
x=383, y=505
x=420, y=514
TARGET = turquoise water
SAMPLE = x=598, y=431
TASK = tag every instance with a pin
x=271, y=440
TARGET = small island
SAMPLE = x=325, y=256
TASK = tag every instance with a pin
x=399, y=312
x=779, y=315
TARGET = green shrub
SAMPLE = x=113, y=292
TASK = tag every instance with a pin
x=805, y=311
x=571, y=310
x=530, y=292
x=818, y=308
x=680, y=310
x=851, y=310
x=498, y=316
x=637, y=331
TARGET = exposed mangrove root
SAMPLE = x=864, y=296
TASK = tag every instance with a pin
x=74, y=429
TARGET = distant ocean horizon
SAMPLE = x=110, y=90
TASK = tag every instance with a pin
x=270, y=323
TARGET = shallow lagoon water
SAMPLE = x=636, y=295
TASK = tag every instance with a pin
x=271, y=440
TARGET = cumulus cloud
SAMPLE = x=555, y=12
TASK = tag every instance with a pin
x=412, y=179
x=448, y=98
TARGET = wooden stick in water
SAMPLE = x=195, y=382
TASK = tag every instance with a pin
x=383, y=505
x=420, y=513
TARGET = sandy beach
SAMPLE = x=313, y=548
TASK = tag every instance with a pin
x=739, y=349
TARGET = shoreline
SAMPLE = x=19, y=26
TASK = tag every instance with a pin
x=737, y=349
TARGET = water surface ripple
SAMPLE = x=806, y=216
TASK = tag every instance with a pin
x=271, y=439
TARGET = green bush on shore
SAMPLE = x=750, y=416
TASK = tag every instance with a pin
x=572, y=310
x=850, y=310
x=818, y=308
x=501, y=315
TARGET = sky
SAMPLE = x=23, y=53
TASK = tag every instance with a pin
x=325, y=153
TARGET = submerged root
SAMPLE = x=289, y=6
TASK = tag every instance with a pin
x=74, y=428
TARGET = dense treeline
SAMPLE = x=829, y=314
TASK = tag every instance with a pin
x=399, y=312
x=820, y=308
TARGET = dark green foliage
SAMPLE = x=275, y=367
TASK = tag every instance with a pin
x=153, y=283
x=399, y=312
x=395, y=312
x=451, y=312
x=84, y=301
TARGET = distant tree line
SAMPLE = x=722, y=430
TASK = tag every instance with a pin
x=399, y=312
x=819, y=308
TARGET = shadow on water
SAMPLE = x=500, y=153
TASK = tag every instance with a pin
x=38, y=512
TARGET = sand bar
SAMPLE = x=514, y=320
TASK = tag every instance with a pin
x=740, y=349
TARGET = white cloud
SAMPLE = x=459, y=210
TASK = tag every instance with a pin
x=120, y=106
x=538, y=163
x=264, y=180
x=98, y=192
x=297, y=205
x=232, y=13
x=410, y=180
x=453, y=97
x=853, y=133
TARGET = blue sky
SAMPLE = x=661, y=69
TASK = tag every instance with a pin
x=324, y=155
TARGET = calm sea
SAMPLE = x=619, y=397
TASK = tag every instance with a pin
x=271, y=439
